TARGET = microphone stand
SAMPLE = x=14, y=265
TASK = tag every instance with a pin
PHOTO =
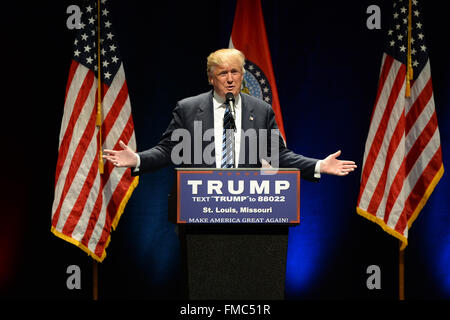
x=233, y=141
x=230, y=98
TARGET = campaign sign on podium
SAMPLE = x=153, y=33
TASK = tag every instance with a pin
x=238, y=196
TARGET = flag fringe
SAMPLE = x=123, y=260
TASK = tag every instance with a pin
x=124, y=202
x=384, y=226
x=427, y=194
x=78, y=244
x=119, y=213
x=420, y=206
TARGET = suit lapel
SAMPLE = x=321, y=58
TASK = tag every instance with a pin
x=247, y=114
x=205, y=114
x=247, y=122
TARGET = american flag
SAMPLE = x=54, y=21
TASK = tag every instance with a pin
x=403, y=158
x=88, y=204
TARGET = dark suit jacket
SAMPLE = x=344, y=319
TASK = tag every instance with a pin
x=256, y=114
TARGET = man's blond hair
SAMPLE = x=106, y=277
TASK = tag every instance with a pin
x=222, y=56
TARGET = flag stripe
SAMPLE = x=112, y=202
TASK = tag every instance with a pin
x=385, y=85
x=72, y=92
x=120, y=193
x=419, y=106
x=386, y=63
x=110, y=179
x=92, y=214
x=116, y=117
x=78, y=207
x=424, y=183
x=384, y=108
x=95, y=233
x=419, y=124
x=73, y=112
x=394, y=142
x=74, y=163
x=407, y=165
x=111, y=92
x=408, y=181
x=90, y=208
x=73, y=68
x=97, y=217
x=416, y=195
x=419, y=144
x=81, y=161
x=378, y=140
x=83, y=178
x=394, y=191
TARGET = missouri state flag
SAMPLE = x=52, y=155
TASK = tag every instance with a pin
x=249, y=36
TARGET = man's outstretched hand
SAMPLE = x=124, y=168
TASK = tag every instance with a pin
x=121, y=158
x=331, y=165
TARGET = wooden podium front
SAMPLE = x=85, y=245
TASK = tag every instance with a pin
x=233, y=227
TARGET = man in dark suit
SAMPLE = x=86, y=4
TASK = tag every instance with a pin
x=194, y=116
x=235, y=261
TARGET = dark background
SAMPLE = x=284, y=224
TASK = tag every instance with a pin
x=326, y=63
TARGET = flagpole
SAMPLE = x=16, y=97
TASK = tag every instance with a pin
x=401, y=272
x=99, y=126
x=409, y=78
x=95, y=280
x=99, y=91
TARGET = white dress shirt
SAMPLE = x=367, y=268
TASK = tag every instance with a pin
x=219, y=111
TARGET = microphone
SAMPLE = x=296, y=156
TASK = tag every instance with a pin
x=229, y=97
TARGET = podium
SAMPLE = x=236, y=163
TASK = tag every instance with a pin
x=233, y=228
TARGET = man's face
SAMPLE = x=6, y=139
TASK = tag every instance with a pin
x=227, y=78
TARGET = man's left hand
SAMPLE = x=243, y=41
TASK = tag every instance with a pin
x=331, y=165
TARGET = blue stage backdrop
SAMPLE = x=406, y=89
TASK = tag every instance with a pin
x=326, y=63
